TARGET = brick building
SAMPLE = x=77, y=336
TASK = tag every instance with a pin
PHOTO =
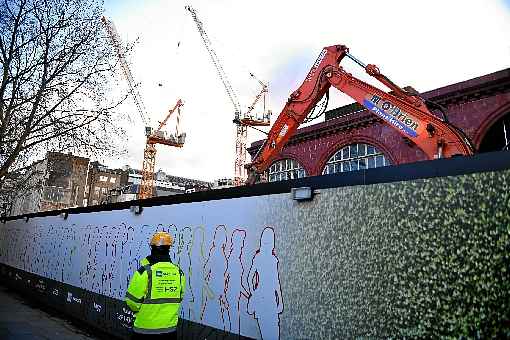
x=56, y=182
x=352, y=138
x=101, y=181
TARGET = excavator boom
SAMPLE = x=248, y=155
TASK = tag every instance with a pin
x=407, y=113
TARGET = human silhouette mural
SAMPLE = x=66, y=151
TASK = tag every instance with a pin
x=265, y=302
x=185, y=244
x=174, y=251
x=215, y=304
x=220, y=293
x=235, y=292
x=198, y=254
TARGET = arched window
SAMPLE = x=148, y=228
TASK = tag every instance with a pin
x=355, y=157
x=285, y=169
x=497, y=138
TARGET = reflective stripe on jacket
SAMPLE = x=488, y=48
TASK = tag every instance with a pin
x=154, y=294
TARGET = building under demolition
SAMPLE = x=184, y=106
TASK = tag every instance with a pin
x=58, y=181
x=101, y=181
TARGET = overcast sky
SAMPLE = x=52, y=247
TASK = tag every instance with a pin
x=426, y=44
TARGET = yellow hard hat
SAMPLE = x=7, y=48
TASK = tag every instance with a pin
x=162, y=238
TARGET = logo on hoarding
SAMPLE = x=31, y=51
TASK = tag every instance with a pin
x=392, y=114
x=97, y=307
x=55, y=291
x=127, y=311
x=126, y=317
x=40, y=286
x=71, y=298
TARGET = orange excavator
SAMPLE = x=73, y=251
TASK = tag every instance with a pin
x=406, y=112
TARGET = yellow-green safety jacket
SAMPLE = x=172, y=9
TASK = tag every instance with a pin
x=154, y=294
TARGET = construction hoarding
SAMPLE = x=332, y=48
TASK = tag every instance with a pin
x=422, y=257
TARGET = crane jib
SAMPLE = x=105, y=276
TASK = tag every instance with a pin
x=392, y=114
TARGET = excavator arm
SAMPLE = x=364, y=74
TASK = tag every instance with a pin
x=407, y=113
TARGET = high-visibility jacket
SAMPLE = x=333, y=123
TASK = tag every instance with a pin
x=154, y=294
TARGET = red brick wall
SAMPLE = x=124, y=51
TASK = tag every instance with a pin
x=476, y=117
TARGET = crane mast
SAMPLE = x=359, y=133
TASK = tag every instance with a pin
x=242, y=122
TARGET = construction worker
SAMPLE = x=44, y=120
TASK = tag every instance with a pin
x=155, y=292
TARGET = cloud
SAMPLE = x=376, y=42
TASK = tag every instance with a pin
x=424, y=45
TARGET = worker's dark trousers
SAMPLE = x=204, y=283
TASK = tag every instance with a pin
x=166, y=336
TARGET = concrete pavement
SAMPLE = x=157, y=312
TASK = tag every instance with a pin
x=20, y=319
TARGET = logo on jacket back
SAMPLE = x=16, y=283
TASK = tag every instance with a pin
x=160, y=273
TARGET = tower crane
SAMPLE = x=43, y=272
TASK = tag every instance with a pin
x=154, y=137
x=242, y=121
x=149, y=154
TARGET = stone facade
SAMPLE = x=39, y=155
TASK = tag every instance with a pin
x=477, y=106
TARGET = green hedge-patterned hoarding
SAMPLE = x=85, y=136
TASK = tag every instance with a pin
x=427, y=258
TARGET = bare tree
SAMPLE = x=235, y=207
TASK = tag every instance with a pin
x=56, y=89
